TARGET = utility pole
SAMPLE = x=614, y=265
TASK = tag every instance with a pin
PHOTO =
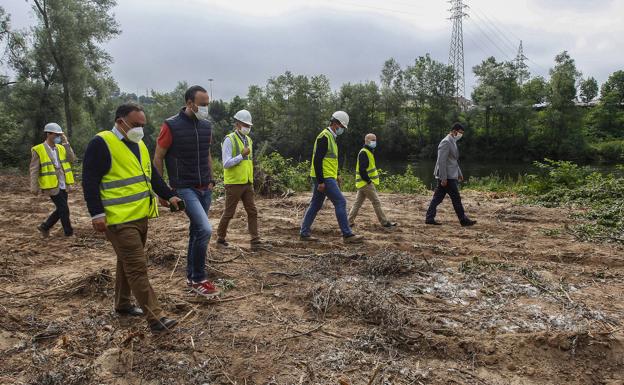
x=456, y=52
x=210, y=81
x=521, y=66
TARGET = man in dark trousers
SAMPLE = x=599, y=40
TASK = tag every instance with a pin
x=119, y=183
x=448, y=175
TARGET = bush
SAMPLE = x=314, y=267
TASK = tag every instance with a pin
x=609, y=152
x=275, y=174
x=407, y=182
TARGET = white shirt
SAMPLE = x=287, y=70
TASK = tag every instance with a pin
x=226, y=153
x=57, y=165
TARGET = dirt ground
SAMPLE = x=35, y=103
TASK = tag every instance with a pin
x=513, y=300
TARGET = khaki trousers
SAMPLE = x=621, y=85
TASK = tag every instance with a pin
x=128, y=240
x=369, y=191
x=233, y=194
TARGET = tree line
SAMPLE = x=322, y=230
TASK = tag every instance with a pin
x=61, y=73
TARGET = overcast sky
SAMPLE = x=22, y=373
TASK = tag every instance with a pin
x=244, y=42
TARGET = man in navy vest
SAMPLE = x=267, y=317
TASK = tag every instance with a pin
x=184, y=146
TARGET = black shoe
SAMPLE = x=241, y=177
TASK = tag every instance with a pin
x=44, y=232
x=468, y=222
x=163, y=325
x=133, y=311
x=308, y=238
x=222, y=244
x=433, y=222
x=390, y=224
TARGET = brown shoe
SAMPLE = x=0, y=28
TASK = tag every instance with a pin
x=353, y=239
x=259, y=244
x=308, y=238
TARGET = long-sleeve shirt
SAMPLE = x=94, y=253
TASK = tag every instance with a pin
x=230, y=161
x=97, y=162
x=363, y=159
x=35, y=164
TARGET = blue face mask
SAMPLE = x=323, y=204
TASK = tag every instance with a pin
x=58, y=140
x=372, y=144
x=340, y=131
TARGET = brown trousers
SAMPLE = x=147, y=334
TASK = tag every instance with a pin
x=128, y=240
x=369, y=191
x=233, y=194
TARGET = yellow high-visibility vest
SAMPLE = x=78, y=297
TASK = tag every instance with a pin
x=126, y=189
x=242, y=173
x=371, y=170
x=47, y=171
x=330, y=161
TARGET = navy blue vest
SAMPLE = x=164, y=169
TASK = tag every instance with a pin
x=187, y=158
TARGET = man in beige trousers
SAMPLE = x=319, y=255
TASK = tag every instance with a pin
x=51, y=175
x=366, y=178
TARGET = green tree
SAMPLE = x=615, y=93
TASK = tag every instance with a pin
x=589, y=89
x=68, y=36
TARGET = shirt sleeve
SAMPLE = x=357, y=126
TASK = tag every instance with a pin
x=443, y=153
x=226, y=154
x=319, y=155
x=165, y=139
x=363, y=159
x=96, y=163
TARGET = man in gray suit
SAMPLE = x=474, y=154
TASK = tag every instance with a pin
x=448, y=174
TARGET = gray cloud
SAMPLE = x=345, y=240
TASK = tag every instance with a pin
x=192, y=40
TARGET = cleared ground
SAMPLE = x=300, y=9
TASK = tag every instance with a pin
x=513, y=300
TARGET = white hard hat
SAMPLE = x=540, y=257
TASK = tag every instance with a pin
x=53, y=127
x=342, y=117
x=243, y=116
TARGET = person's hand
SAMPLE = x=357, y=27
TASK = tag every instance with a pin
x=163, y=202
x=246, y=151
x=211, y=186
x=444, y=183
x=174, y=202
x=321, y=187
x=461, y=178
x=99, y=224
x=64, y=139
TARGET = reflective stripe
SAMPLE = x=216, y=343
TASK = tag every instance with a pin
x=47, y=173
x=331, y=156
x=371, y=170
x=122, y=182
x=359, y=179
x=127, y=199
x=47, y=164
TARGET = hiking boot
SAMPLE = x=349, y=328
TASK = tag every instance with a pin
x=308, y=238
x=44, y=232
x=222, y=244
x=132, y=310
x=468, y=222
x=353, y=239
x=259, y=244
x=390, y=224
x=163, y=325
x=433, y=222
x=206, y=289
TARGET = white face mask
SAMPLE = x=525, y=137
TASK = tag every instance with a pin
x=458, y=136
x=134, y=134
x=245, y=130
x=202, y=112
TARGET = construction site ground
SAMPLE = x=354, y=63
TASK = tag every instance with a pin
x=515, y=299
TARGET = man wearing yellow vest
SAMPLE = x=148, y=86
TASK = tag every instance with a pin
x=238, y=177
x=51, y=174
x=366, y=178
x=119, y=185
x=324, y=172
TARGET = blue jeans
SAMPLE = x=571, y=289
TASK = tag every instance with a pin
x=332, y=191
x=197, y=205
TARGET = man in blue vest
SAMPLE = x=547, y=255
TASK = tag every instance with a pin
x=184, y=147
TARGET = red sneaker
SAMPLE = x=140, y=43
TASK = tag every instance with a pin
x=206, y=288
